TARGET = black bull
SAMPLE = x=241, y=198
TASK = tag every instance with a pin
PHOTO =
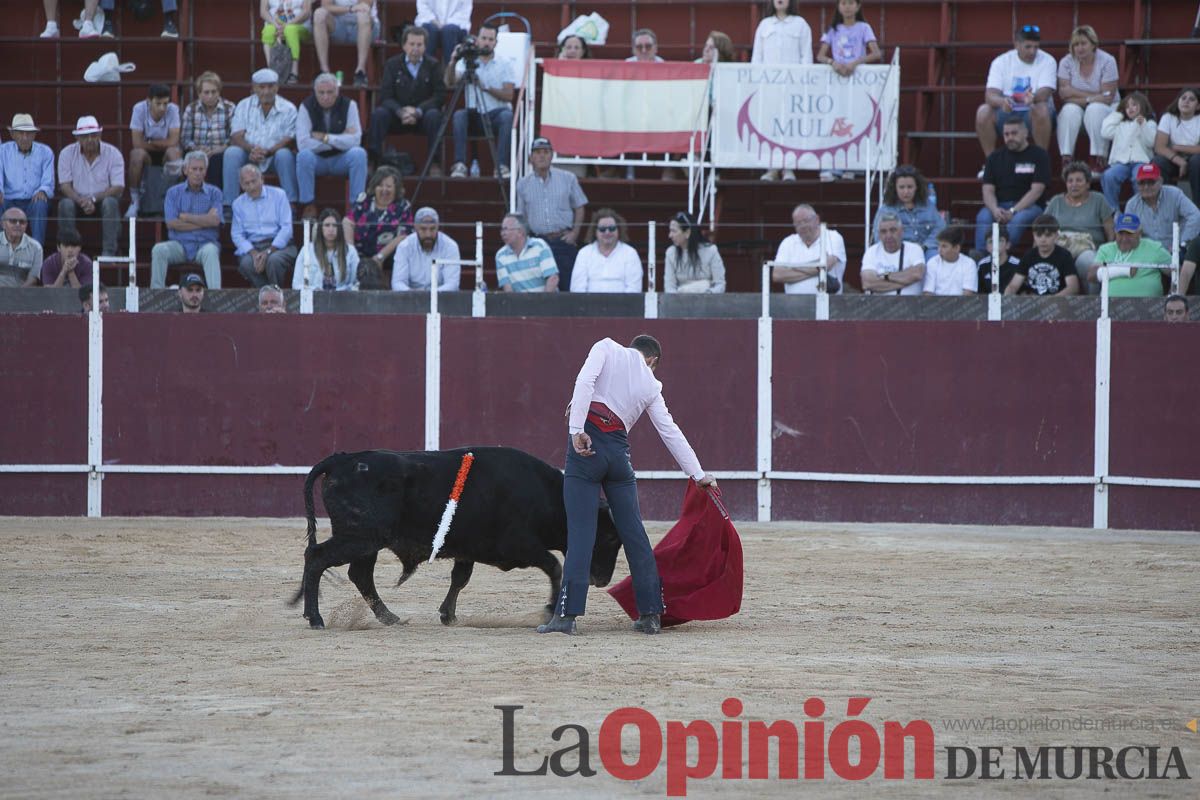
x=510, y=515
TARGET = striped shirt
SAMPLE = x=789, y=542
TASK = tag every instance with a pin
x=182, y=199
x=266, y=218
x=549, y=204
x=202, y=129
x=529, y=271
x=265, y=132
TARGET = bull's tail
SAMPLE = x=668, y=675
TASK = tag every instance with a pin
x=321, y=468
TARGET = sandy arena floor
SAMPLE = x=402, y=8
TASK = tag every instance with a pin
x=156, y=657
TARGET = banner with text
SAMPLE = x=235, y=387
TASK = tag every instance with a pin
x=790, y=116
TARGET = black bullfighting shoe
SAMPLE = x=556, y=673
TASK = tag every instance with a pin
x=648, y=623
x=559, y=624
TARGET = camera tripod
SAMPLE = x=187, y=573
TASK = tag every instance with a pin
x=468, y=82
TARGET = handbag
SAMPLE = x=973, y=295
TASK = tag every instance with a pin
x=281, y=60
x=1076, y=242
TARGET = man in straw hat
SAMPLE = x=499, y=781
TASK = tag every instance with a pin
x=91, y=178
x=27, y=174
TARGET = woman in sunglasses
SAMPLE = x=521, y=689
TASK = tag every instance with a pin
x=907, y=196
x=607, y=264
x=693, y=263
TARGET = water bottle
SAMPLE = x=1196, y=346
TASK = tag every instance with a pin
x=932, y=195
x=339, y=77
x=474, y=167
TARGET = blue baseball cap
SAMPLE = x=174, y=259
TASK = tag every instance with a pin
x=1128, y=222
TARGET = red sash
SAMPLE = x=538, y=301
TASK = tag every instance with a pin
x=603, y=418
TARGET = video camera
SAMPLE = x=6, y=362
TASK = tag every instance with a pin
x=469, y=52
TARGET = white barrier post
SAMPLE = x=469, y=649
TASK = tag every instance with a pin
x=822, y=278
x=479, y=297
x=995, y=303
x=95, y=400
x=651, y=298
x=1100, y=436
x=1175, y=258
x=306, y=291
x=765, y=349
x=433, y=365
x=132, y=297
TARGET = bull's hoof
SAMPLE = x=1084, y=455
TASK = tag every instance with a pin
x=316, y=623
x=448, y=619
x=388, y=618
x=559, y=625
x=547, y=612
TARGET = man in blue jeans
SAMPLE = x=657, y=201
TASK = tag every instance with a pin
x=615, y=385
x=492, y=94
x=1014, y=180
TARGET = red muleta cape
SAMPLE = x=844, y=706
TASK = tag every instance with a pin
x=699, y=562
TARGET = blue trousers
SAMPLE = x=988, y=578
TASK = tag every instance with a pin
x=1016, y=228
x=283, y=164
x=309, y=164
x=446, y=37
x=611, y=468
x=36, y=212
x=465, y=120
x=1114, y=176
x=167, y=5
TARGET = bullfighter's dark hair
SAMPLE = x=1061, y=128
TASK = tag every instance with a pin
x=647, y=345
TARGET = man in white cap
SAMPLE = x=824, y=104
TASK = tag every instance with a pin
x=262, y=133
x=91, y=178
x=413, y=261
x=27, y=174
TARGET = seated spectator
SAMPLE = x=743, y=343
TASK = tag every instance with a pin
x=892, y=265
x=1114, y=260
x=1177, y=142
x=91, y=179
x=1047, y=268
x=1189, y=283
x=574, y=48
x=1132, y=131
x=525, y=263
x=262, y=231
x=411, y=96
x=554, y=203
x=782, y=37
x=645, y=46
x=18, y=249
x=191, y=294
x=27, y=174
x=907, y=196
x=67, y=266
x=346, y=22
x=1014, y=179
x=447, y=23
x=192, y=211
x=328, y=135
x=208, y=125
x=692, y=264
x=492, y=95
x=286, y=21
x=802, y=253
x=154, y=127
x=413, y=263
x=1175, y=309
x=950, y=272
x=85, y=298
x=1159, y=207
x=1008, y=265
x=262, y=133
x=1087, y=86
x=170, y=19
x=379, y=219
x=271, y=300
x=1084, y=218
x=718, y=48
x=1020, y=86
x=328, y=262
x=606, y=263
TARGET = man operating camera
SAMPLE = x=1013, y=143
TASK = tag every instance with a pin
x=490, y=89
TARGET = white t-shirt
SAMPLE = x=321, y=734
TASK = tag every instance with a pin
x=786, y=41
x=951, y=279
x=793, y=250
x=1180, y=132
x=1012, y=76
x=883, y=262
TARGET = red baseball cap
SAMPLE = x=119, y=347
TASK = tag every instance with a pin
x=1148, y=172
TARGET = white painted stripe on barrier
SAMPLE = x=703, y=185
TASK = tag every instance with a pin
x=967, y=480
x=44, y=469
x=1167, y=483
